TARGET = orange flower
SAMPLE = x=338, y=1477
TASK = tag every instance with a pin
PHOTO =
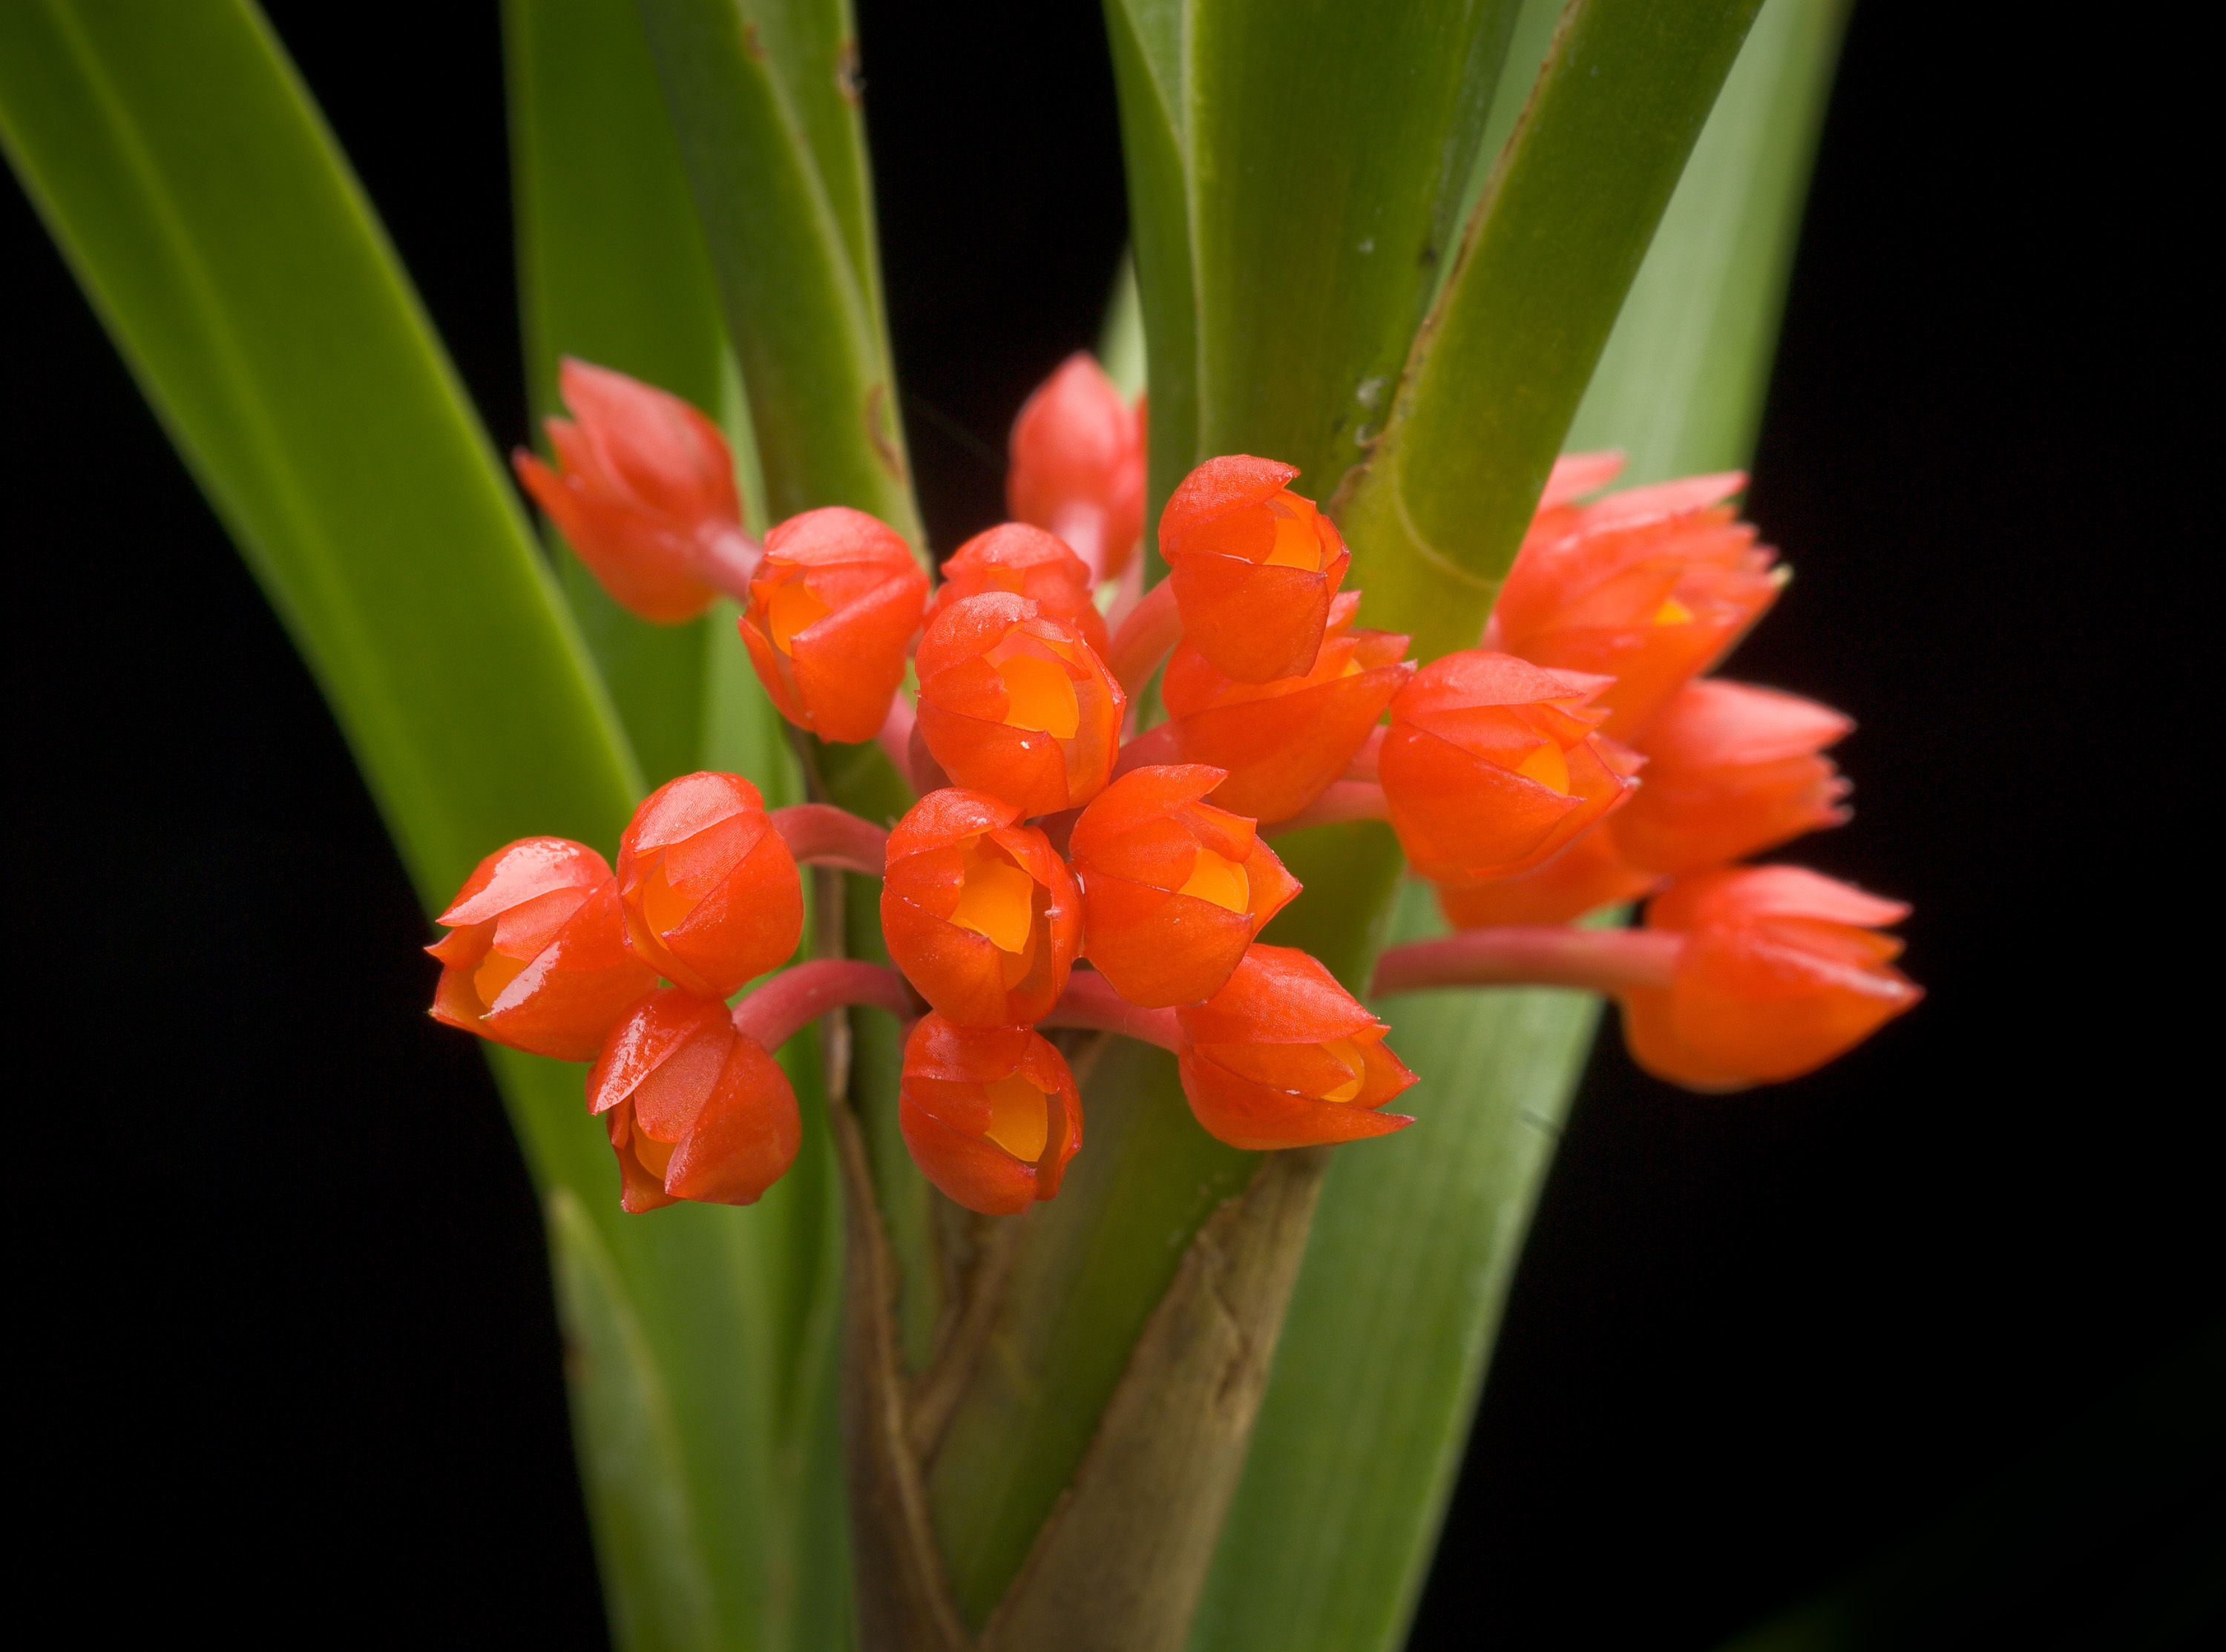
x=1583, y=878
x=646, y=489
x=1254, y=567
x=1283, y=742
x=1029, y=563
x=1781, y=970
x=1283, y=1057
x=990, y=1113
x=1731, y=771
x=1491, y=766
x=696, y=1110
x=833, y=608
x=711, y=893
x=1651, y=587
x=1016, y=702
x=537, y=955
x=1173, y=889
x=980, y=914
x=1077, y=469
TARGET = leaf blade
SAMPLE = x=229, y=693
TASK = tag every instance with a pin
x=1497, y=374
x=779, y=181
x=1325, y=1549
x=1328, y=148
x=232, y=258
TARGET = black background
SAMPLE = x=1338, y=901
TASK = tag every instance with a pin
x=292, y=1364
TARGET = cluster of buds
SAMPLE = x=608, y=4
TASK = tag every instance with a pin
x=1742, y=976
x=1061, y=868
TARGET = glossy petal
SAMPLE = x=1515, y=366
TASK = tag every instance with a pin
x=1731, y=771
x=712, y=895
x=1491, y=766
x=650, y=1038
x=644, y=479
x=1078, y=465
x=745, y=1135
x=1781, y=970
x=990, y=1114
x=979, y=912
x=1651, y=586
x=1283, y=1057
x=1283, y=742
x=833, y=609
x=1173, y=890
x=1583, y=878
x=536, y=957
x=1016, y=704
x=1024, y=561
x=696, y=1110
x=1253, y=566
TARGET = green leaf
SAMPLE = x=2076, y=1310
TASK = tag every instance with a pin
x=1414, y=1243
x=232, y=258
x=1147, y=38
x=1679, y=385
x=763, y=95
x=630, y=1452
x=1393, y=1316
x=1094, y=1263
x=612, y=269
x=1328, y=147
x=1558, y=234
x=736, y=1315
x=1120, y=335
x=206, y=211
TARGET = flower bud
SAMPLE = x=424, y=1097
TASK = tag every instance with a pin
x=537, y=957
x=1173, y=889
x=1283, y=1057
x=980, y=914
x=1651, y=587
x=1025, y=562
x=833, y=608
x=1254, y=567
x=1015, y=702
x=1491, y=766
x=645, y=483
x=1782, y=970
x=1731, y=771
x=1283, y=742
x=1583, y=878
x=990, y=1113
x=1078, y=465
x=711, y=893
x=696, y=1110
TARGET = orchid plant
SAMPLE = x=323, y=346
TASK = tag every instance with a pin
x=983, y=1223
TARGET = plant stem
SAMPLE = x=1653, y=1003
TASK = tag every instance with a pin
x=819, y=834
x=1604, y=961
x=1089, y=1002
x=789, y=1003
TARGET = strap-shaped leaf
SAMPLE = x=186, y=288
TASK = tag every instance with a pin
x=612, y=269
x=654, y=1584
x=1329, y=144
x=1497, y=374
x=738, y=1338
x=1093, y=1265
x=1679, y=388
x=235, y=262
x=1146, y=37
x=1416, y=1237
x=763, y=95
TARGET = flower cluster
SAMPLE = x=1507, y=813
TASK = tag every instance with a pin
x=1645, y=779
x=1063, y=868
